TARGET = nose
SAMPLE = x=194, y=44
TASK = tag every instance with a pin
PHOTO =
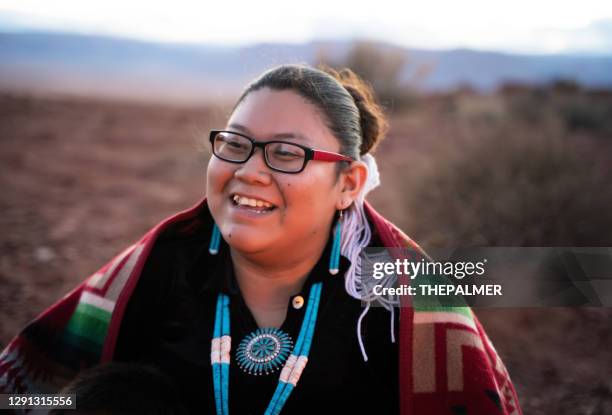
x=254, y=170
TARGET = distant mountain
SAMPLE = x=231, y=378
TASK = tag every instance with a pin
x=121, y=68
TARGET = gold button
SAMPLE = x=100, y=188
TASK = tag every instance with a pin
x=298, y=302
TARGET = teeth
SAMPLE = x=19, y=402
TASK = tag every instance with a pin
x=245, y=201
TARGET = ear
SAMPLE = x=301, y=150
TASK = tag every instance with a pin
x=351, y=181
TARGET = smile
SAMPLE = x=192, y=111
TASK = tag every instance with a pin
x=250, y=203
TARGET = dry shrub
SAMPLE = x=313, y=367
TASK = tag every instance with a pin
x=582, y=110
x=507, y=184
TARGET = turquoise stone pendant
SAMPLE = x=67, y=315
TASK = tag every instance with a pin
x=264, y=351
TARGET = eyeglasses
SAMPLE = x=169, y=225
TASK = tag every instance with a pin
x=280, y=156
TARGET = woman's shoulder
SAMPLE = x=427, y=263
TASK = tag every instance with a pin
x=177, y=246
x=163, y=283
x=173, y=254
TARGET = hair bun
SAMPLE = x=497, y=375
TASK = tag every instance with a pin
x=374, y=125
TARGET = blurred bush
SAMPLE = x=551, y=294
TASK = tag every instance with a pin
x=581, y=110
x=387, y=68
x=521, y=167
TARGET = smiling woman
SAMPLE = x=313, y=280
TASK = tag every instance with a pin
x=251, y=301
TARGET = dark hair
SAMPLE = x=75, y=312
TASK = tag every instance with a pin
x=346, y=102
x=122, y=389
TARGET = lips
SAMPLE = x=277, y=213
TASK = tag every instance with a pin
x=251, y=203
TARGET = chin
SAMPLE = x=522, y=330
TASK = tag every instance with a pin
x=246, y=240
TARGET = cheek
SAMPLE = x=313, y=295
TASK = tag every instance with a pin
x=309, y=197
x=217, y=177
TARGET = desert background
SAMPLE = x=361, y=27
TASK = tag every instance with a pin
x=92, y=157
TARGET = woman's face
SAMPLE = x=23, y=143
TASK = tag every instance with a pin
x=303, y=203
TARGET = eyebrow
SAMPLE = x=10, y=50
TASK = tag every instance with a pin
x=295, y=135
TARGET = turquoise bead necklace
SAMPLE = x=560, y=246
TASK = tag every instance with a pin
x=262, y=351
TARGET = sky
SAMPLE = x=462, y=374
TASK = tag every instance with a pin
x=523, y=26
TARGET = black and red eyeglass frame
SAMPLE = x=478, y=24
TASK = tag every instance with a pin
x=309, y=153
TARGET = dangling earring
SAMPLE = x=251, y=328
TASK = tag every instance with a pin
x=215, y=239
x=334, y=258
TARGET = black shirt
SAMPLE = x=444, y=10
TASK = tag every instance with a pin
x=169, y=323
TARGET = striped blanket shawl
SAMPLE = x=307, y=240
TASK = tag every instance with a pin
x=447, y=364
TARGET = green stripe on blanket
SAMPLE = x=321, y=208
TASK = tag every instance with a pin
x=432, y=303
x=445, y=309
x=82, y=343
x=94, y=312
x=90, y=323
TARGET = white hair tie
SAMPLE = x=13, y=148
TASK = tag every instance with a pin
x=373, y=179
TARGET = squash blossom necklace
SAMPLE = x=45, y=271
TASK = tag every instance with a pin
x=261, y=352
